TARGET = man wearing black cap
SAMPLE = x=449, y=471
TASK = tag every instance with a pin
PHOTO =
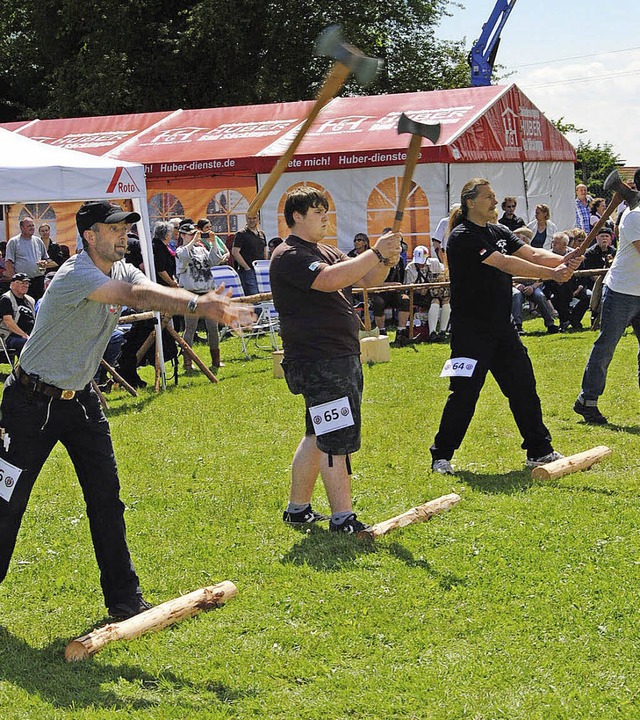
x=17, y=313
x=48, y=398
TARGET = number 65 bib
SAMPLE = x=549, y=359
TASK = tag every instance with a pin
x=331, y=416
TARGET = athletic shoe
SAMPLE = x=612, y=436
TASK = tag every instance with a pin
x=544, y=459
x=308, y=516
x=590, y=413
x=519, y=329
x=126, y=610
x=442, y=466
x=552, y=329
x=349, y=525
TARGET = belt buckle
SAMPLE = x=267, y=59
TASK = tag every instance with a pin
x=67, y=394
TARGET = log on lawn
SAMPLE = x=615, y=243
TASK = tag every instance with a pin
x=421, y=513
x=570, y=464
x=156, y=618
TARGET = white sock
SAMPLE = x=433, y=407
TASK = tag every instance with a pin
x=432, y=317
x=444, y=317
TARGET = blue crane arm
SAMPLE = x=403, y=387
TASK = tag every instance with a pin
x=484, y=50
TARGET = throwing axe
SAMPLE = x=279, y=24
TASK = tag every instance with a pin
x=349, y=60
x=418, y=131
x=621, y=191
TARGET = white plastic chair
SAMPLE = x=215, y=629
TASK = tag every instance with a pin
x=227, y=275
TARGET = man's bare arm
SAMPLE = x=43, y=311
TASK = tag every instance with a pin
x=516, y=266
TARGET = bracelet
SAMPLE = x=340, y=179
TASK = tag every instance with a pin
x=192, y=305
x=379, y=255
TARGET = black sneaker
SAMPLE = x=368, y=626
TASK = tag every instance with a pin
x=552, y=329
x=590, y=413
x=126, y=610
x=308, y=516
x=350, y=525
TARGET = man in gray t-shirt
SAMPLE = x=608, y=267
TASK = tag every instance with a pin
x=48, y=398
x=27, y=254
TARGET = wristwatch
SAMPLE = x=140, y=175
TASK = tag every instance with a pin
x=192, y=305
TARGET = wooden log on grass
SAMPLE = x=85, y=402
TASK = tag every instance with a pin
x=571, y=463
x=157, y=618
x=421, y=513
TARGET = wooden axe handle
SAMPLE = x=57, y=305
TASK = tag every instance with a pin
x=409, y=167
x=332, y=84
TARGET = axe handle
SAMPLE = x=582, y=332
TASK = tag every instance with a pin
x=615, y=201
x=332, y=84
x=409, y=167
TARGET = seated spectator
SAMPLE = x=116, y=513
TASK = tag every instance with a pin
x=598, y=256
x=17, y=310
x=509, y=218
x=542, y=227
x=272, y=245
x=418, y=272
x=571, y=299
x=360, y=244
x=396, y=300
x=576, y=236
x=530, y=291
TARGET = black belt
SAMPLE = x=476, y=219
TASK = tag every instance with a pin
x=33, y=383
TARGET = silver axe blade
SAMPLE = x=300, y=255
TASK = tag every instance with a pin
x=407, y=125
x=331, y=43
x=614, y=183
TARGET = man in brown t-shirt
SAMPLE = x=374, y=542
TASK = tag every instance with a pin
x=311, y=284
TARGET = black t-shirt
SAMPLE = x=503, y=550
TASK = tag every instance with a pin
x=480, y=294
x=512, y=223
x=25, y=320
x=163, y=259
x=251, y=245
x=313, y=324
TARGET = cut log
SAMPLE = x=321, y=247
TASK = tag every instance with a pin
x=421, y=513
x=570, y=464
x=156, y=618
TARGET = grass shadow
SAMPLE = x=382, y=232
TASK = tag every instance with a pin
x=447, y=581
x=514, y=481
x=43, y=673
x=327, y=551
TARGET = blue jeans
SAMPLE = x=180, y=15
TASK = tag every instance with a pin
x=618, y=311
x=249, y=281
x=540, y=300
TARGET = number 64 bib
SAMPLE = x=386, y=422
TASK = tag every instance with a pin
x=331, y=416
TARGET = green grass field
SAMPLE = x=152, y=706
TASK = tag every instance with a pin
x=522, y=602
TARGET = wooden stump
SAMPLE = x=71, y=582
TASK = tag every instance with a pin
x=570, y=464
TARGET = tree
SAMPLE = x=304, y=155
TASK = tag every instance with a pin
x=64, y=58
x=594, y=163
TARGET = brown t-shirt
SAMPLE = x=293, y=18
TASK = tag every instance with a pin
x=314, y=325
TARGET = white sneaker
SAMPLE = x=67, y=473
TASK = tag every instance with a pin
x=551, y=457
x=442, y=466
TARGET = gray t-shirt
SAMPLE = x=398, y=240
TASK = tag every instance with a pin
x=72, y=332
x=25, y=253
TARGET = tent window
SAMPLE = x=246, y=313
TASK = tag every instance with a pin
x=331, y=237
x=40, y=213
x=381, y=210
x=164, y=206
x=226, y=212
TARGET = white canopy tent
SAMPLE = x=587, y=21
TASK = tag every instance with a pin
x=35, y=172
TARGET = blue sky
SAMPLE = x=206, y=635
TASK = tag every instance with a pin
x=580, y=61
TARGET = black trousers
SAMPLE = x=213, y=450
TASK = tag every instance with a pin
x=506, y=358
x=34, y=423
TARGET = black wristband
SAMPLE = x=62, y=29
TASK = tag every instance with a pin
x=379, y=255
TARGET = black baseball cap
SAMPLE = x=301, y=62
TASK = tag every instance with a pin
x=20, y=277
x=102, y=211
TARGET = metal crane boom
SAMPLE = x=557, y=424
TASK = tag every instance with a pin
x=484, y=50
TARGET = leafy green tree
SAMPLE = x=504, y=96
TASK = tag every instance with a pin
x=83, y=57
x=595, y=162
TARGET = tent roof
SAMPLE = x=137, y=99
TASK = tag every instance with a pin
x=37, y=172
x=485, y=124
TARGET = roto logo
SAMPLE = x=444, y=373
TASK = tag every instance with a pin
x=123, y=183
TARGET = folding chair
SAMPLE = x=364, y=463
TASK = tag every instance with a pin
x=7, y=355
x=230, y=278
x=268, y=314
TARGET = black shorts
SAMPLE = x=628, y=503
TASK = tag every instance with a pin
x=321, y=381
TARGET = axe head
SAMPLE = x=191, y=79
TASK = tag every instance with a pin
x=330, y=43
x=407, y=125
x=614, y=183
